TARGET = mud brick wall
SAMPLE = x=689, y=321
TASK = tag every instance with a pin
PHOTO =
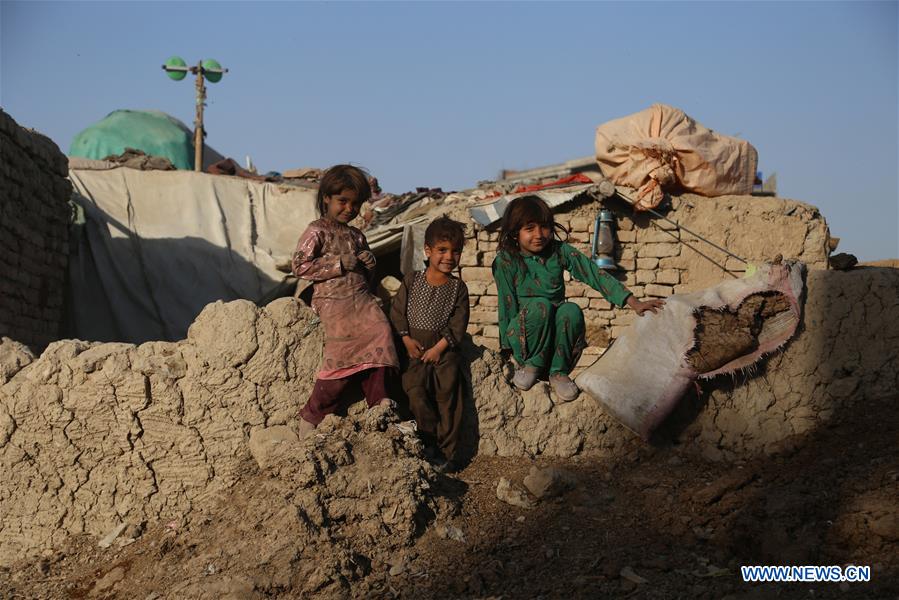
x=34, y=215
x=654, y=262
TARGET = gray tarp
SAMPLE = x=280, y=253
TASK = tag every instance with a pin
x=157, y=246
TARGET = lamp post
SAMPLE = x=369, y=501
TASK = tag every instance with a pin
x=210, y=69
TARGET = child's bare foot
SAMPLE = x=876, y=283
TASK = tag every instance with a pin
x=565, y=389
x=387, y=402
x=304, y=428
x=525, y=378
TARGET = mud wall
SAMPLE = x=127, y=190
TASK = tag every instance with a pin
x=653, y=260
x=92, y=435
x=34, y=215
x=846, y=354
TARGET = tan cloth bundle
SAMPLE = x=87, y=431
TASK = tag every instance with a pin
x=662, y=149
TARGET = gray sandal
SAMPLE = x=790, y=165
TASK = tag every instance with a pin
x=565, y=389
x=525, y=378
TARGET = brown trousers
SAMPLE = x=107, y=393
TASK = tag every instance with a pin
x=326, y=395
x=435, y=395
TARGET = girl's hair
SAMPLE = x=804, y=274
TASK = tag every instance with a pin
x=343, y=177
x=520, y=212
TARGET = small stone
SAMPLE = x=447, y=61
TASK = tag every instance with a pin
x=628, y=574
x=134, y=531
x=110, y=537
x=450, y=532
x=520, y=519
x=549, y=482
x=397, y=567
x=511, y=494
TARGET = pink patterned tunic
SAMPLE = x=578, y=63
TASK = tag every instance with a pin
x=357, y=333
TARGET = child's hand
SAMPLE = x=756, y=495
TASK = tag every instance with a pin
x=414, y=348
x=652, y=305
x=348, y=262
x=367, y=259
x=432, y=355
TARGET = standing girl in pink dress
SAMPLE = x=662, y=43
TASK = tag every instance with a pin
x=336, y=258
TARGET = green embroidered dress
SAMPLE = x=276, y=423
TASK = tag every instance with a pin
x=535, y=321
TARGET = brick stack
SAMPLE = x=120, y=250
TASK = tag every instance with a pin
x=34, y=217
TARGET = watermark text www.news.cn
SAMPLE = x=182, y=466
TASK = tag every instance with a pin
x=806, y=574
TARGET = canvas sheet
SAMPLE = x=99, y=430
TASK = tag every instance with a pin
x=157, y=246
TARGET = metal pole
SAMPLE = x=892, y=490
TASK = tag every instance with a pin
x=198, y=125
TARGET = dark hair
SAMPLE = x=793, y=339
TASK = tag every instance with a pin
x=444, y=229
x=520, y=212
x=343, y=177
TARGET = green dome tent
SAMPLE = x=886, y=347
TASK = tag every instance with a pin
x=152, y=131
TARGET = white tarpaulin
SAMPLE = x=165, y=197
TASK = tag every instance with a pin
x=157, y=246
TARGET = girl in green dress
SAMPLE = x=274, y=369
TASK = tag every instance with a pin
x=543, y=331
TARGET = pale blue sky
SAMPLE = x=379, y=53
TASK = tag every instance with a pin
x=446, y=94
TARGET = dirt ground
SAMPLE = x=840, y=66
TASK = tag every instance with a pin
x=664, y=514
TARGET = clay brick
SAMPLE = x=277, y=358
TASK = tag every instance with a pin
x=600, y=304
x=476, y=288
x=579, y=237
x=491, y=331
x=658, y=250
x=626, y=236
x=477, y=274
x=482, y=317
x=470, y=256
x=491, y=343
x=660, y=291
x=644, y=276
x=488, y=301
x=647, y=263
x=575, y=289
x=581, y=224
x=651, y=234
x=582, y=302
x=668, y=276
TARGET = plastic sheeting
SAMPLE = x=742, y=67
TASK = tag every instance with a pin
x=662, y=149
x=157, y=246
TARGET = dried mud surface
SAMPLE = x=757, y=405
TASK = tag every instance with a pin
x=723, y=335
x=681, y=522
x=187, y=448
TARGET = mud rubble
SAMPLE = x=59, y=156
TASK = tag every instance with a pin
x=192, y=442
